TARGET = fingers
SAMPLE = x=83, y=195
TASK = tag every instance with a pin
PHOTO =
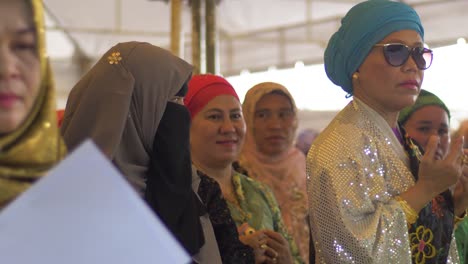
x=275, y=236
x=431, y=148
x=271, y=255
x=241, y=229
x=456, y=150
x=260, y=258
x=270, y=252
x=257, y=241
x=465, y=157
x=270, y=260
x=260, y=236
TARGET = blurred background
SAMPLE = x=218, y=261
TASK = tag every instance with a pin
x=250, y=41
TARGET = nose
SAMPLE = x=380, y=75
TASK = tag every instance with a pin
x=274, y=122
x=227, y=126
x=410, y=65
x=8, y=64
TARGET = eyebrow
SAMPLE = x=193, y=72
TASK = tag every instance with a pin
x=268, y=109
x=426, y=122
x=220, y=111
x=25, y=31
x=404, y=42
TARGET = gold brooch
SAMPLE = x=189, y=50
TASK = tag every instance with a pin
x=464, y=159
x=114, y=58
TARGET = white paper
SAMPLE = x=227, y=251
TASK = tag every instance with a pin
x=84, y=212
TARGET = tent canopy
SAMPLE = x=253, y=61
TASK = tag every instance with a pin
x=252, y=34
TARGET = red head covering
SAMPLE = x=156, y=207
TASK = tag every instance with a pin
x=60, y=113
x=203, y=88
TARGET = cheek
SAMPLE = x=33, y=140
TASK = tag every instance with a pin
x=32, y=79
x=258, y=132
x=198, y=133
x=241, y=130
x=376, y=74
x=419, y=137
x=289, y=129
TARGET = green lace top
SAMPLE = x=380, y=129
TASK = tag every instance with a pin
x=258, y=207
x=461, y=235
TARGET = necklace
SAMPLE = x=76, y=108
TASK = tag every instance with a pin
x=242, y=216
x=233, y=198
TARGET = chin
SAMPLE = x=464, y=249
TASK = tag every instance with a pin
x=275, y=152
x=226, y=158
x=403, y=104
x=8, y=126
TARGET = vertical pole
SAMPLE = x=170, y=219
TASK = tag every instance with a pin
x=196, y=35
x=176, y=26
x=210, y=16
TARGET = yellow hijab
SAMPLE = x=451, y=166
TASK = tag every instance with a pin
x=30, y=151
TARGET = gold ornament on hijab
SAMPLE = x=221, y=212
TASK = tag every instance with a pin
x=31, y=150
x=114, y=58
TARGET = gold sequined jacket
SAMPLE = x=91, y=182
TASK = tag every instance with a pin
x=355, y=168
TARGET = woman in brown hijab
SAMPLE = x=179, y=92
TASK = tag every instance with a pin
x=127, y=103
x=30, y=142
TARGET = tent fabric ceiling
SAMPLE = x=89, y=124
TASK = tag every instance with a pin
x=253, y=34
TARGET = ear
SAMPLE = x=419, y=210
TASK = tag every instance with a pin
x=355, y=75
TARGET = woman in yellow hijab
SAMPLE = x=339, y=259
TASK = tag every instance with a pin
x=30, y=143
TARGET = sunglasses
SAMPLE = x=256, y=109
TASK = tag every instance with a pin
x=396, y=54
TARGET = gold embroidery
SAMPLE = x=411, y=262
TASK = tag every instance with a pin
x=411, y=214
x=421, y=245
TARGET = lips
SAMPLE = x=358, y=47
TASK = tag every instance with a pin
x=275, y=139
x=7, y=100
x=227, y=142
x=410, y=84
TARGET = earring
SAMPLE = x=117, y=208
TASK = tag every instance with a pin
x=355, y=76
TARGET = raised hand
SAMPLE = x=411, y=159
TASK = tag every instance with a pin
x=438, y=175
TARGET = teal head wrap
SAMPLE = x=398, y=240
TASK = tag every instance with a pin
x=364, y=26
x=425, y=98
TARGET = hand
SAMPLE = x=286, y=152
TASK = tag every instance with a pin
x=438, y=175
x=460, y=194
x=255, y=239
x=278, y=249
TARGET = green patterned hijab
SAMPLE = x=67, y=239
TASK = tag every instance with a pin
x=425, y=98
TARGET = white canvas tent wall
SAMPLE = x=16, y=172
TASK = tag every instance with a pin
x=253, y=34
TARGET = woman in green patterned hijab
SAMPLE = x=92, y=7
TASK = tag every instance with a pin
x=429, y=116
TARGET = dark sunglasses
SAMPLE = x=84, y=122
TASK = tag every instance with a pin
x=396, y=54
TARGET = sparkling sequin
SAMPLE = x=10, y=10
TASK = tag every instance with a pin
x=354, y=169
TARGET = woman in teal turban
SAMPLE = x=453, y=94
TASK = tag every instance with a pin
x=430, y=116
x=373, y=197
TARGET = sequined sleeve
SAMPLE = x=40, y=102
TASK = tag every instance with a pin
x=353, y=176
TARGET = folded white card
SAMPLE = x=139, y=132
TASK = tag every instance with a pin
x=84, y=212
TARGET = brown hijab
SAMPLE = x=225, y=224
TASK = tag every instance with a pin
x=122, y=104
x=121, y=100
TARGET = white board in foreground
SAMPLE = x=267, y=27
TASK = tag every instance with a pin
x=84, y=212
